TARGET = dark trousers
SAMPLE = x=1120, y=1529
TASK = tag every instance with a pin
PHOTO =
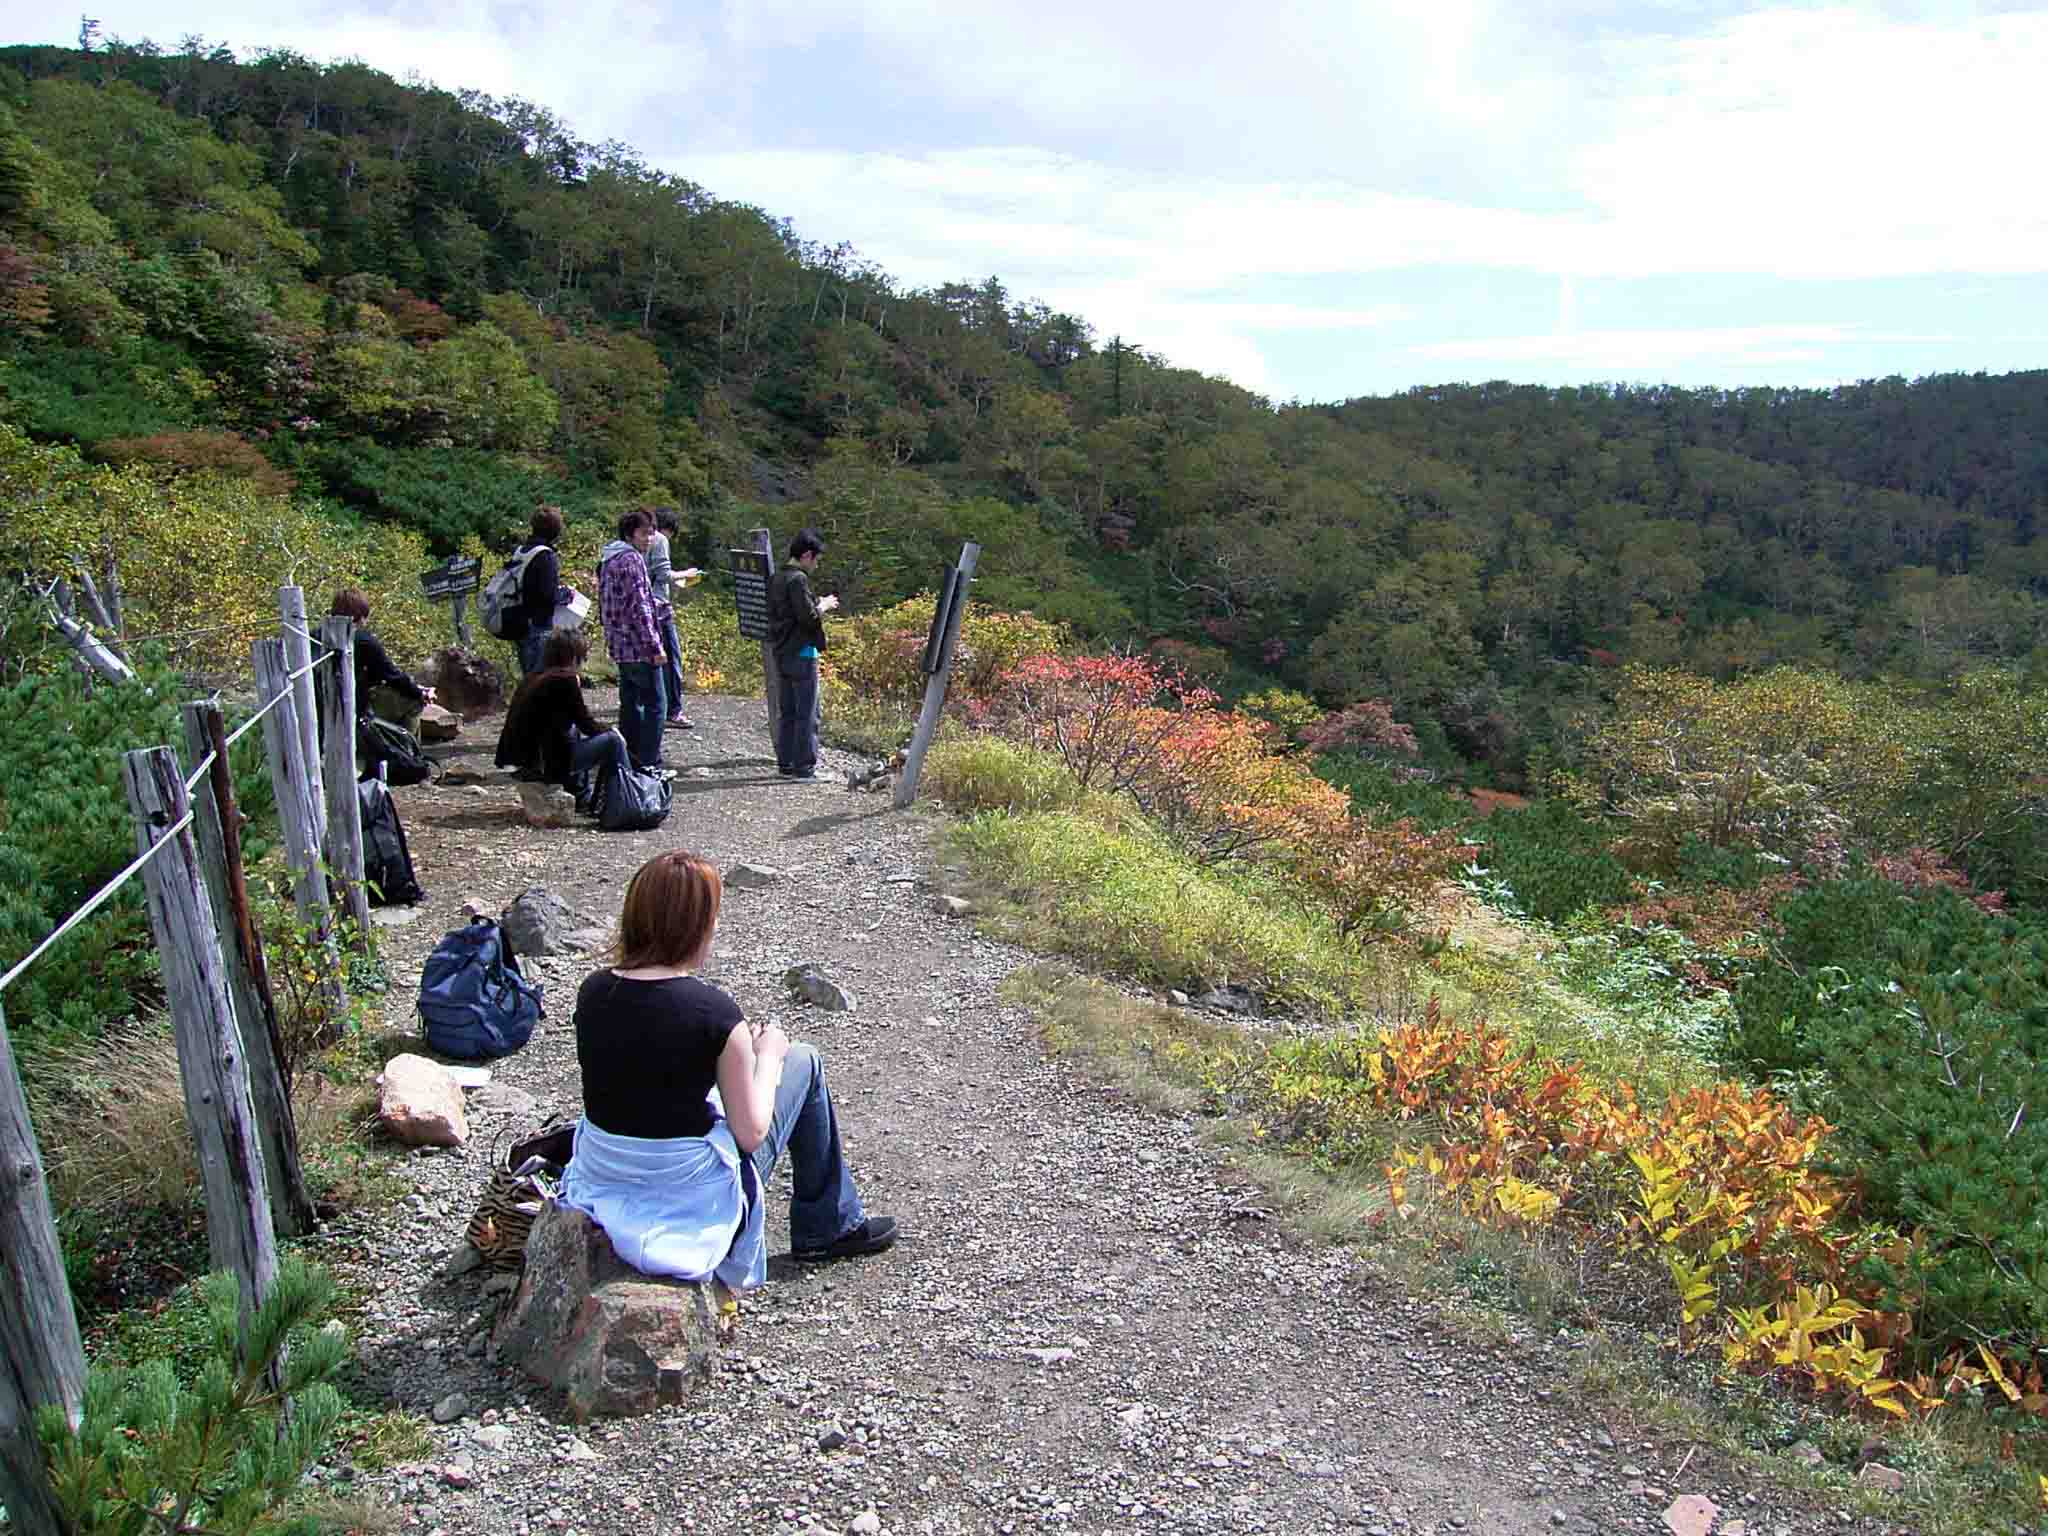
x=643, y=712
x=672, y=669
x=530, y=647
x=796, y=725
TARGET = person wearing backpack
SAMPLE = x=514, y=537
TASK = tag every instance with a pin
x=687, y=1108
x=540, y=590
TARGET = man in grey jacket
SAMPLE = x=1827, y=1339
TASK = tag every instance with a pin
x=796, y=628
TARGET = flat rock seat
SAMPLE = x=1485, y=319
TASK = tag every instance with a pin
x=616, y=1342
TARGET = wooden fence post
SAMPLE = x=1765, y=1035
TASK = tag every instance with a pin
x=298, y=652
x=935, y=690
x=218, y=822
x=764, y=545
x=295, y=802
x=210, y=1061
x=344, y=842
x=41, y=1359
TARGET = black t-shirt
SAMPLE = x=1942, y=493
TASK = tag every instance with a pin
x=649, y=1053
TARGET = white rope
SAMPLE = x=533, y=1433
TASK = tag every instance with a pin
x=99, y=899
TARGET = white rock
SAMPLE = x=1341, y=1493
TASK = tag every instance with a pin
x=866, y=1523
x=753, y=877
x=420, y=1104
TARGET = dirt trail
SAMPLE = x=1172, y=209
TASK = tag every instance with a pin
x=1091, y=1326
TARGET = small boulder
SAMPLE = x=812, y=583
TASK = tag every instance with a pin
x=1691, y=1514
x=537, y=922
x=811, y=985
x=1883, y=1478
x=951, y=906
x=614, y=1340
x=1230, y=999
x=544, y=805
x=752, y=877
x=438, y=724
x=420, y=1104
x=467, y=683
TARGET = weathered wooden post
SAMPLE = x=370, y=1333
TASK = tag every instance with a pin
x=751, y=572
x=295, y=803
x=298, y=653
x=344, y=811
x=42, y=1361
x=218, y=823
x=210, y=1061
x=939, y=646
x=451, y=582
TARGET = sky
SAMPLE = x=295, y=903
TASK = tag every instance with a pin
x=1320, y=199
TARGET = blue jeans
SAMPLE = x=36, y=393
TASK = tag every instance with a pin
x=607, y=749
x=643, y=712
x=824, y=1206
x=531, y=646
x=796, y=724
x=672, y=670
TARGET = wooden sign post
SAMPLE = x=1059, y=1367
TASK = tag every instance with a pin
x=451, y=582
x=939, y=646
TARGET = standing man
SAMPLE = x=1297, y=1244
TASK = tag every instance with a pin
x=796, y=628
x=540, y=587
x=626, y=609
x=662, y=576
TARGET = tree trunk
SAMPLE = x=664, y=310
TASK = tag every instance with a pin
x=344, y=812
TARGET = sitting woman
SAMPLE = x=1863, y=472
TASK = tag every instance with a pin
x=686, y=1107
x=382, y=686
x=549, y=732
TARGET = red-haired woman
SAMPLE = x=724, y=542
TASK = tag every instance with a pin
x=687, y=1108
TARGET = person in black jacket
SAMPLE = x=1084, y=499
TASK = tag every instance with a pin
x=796, y=628
x=549, y=732
x=540, y=591
x=382, y=687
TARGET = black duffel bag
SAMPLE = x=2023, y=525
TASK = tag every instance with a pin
x=630, y=801
x=380, y=743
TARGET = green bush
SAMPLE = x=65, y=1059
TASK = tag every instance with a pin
x=976, y=772
x=65, y=830
x=85, y=395
x=1555, y=860
x=1920, y=1025
x=1373, y=785
x=445, y=494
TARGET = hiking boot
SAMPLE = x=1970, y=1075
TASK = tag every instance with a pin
x=871, y=1236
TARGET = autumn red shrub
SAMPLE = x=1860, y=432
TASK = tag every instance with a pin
x=221, y=453
x=1367, y=726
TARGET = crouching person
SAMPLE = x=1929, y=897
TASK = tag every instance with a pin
x=549, y=731
x=687, y=1108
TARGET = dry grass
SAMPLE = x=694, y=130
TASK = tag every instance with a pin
x=110, y=1118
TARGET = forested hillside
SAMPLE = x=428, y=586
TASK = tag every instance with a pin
x=431, y=309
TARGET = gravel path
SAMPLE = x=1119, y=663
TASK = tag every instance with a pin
x=1090, y=1326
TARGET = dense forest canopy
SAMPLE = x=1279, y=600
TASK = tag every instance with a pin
x=433, y=308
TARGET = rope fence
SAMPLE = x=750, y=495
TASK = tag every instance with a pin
x=106, y=893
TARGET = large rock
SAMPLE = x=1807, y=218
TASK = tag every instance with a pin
x=438, y=724
x=467, y=683
x=538, y=921
x=545, y=805
x=420, y=1103
x=614, y=1340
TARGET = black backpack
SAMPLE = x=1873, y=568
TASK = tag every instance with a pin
x=387, y=865
x=379, y=741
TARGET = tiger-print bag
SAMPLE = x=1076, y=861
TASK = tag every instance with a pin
x=521, y=1182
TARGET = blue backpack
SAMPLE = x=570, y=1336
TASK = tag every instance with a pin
x=473, y=1001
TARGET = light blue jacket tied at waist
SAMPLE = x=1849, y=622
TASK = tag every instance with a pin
x=677, y=1206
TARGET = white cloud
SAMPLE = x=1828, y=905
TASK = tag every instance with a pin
x=1650, y=352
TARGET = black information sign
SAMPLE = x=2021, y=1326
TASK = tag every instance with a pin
x=750, y=591
x=451, y=578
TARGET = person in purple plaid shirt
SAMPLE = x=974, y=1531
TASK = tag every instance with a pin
x=626, y=610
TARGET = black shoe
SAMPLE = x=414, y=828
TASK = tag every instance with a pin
x=798, y=773
x=871, y=1236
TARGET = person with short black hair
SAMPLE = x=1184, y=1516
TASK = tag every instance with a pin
x=687, y=1108
x=549, y=733
x=382, y=686
x=540, y=589
x=796, y=629
x=626, y=610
